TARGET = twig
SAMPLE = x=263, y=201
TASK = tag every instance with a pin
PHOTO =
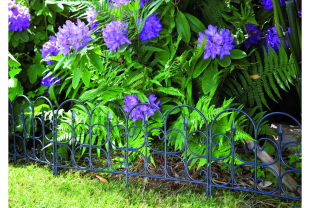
x=67, y=17
x=177, y=2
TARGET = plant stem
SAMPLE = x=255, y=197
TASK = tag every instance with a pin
x=67, y=17
x=46, y=38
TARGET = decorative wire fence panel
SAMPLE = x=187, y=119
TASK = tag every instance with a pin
x=41, y=133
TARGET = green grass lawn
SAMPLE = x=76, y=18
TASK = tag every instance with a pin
x=33, y=185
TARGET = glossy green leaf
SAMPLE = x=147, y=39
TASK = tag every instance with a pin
x=127, y=56
x=183, y=27
x=86, y=77
x=208, y=80
x=51, y=17
x=225, y=61
x=195, y=24
x=237, y=54
x=23, y=35
x=95, y=60
x=32, y=73
x=57, y=7
x=200, y=67
x=76, y=78
x=60, y=63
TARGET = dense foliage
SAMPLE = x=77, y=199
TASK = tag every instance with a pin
x=211, y=54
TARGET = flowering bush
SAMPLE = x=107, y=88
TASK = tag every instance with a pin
x=209, y=54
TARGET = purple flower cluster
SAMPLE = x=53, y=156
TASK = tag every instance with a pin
x=142, y=2
x=48, y=80
x=73, y=36
x=50, y=49
x=151, y=27
x=69, y=37
x=268, y=4
x=273, y=39
x=254, y=34
x=18, y=16
x=118, y=2
x=91, y=15
x=217, y=43
x=114, y=34
x=142, y=110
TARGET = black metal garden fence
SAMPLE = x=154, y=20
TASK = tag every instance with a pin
x=38, y=135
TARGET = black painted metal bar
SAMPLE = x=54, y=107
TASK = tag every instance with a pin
x=41, y=142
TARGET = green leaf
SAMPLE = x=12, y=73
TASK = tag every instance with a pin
x=14, y=91
x=50, y=28
x=56, y=7
x=237, y=54
x=95, y=60
x=13, y=82
x=23, y=35
x=171, y=91
x=269, y=148
x=14, y=71
x=60, y=63
x=52, y=92
x=224, y=62
x=14, y=42
x=127, y=56
x=195, y=24
x=151, y=48
x=76, y=78
x=86, y=77
x=51, y=17
x=12, y=61
x=82, y=63
x=200, y=67
x=183, y=27
x=32, y=74
x=208, y=80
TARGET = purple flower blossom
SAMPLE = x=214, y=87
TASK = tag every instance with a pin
x=273, y=39
x=91, y=15
x=73, y=36
x=118, y=2
x=50, y=49
x=217, y=43
x=142, y=110
x=48, y=80
x=115, y=34
x=268, y=4
x=18, y=16
x=254, y=34
x=151, y=27
x=142, y=2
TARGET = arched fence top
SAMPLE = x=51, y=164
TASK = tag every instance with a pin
x=108, y=146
